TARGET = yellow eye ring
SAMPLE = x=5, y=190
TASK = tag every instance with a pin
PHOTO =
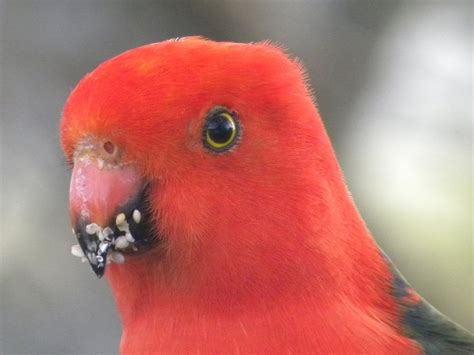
x=220, y=130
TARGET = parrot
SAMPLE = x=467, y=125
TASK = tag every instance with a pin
x=205, y=188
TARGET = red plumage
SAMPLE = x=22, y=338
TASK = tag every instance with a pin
x=263, y=250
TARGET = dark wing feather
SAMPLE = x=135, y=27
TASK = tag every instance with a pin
x=423, y=323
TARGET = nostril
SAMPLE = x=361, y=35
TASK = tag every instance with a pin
x=109, y=147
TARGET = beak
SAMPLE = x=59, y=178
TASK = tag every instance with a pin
x=105, y=201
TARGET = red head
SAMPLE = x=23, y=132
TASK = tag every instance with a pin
x=263, y=217
x=264, y=196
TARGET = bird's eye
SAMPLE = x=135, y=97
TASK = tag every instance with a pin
x=221, y=130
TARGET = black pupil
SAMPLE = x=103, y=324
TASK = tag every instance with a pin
x=220, y=129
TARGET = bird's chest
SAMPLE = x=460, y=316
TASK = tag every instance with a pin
x=263, y=333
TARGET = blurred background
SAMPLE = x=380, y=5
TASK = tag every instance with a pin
x=393, y=81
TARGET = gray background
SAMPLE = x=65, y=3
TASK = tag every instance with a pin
x=393, y=81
